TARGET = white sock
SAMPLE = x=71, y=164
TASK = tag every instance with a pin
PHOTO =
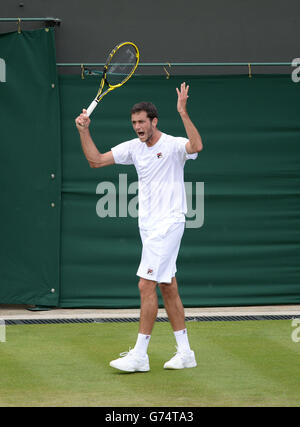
x=142, y=343
x=182, y=340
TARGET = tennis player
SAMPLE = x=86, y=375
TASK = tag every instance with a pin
x=159, y=160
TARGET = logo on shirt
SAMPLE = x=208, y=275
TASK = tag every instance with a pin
x=159, y=155
x=150, y=271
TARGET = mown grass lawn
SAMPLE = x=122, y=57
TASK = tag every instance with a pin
x=240, y=363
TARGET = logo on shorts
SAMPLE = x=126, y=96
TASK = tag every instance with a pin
x=150, y=271
x=159, y=155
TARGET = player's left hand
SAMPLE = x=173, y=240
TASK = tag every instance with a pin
x=182, y=98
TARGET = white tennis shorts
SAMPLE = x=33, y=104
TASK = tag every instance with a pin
x=159, y=255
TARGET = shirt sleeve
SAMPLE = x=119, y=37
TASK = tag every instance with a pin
x=122, y=153
x=181, y=148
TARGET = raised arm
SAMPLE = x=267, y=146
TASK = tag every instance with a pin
x=91, y=152
x=194, y=144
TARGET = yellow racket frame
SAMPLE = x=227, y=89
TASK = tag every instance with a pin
x=100, y=95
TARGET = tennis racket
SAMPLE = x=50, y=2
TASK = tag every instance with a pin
x=119, y=67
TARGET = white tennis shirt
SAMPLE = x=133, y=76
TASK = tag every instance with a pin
x=162, y=198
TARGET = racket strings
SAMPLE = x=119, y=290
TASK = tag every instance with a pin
x=121, y=65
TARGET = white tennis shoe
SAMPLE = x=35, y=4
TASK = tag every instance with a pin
x=181, y=360
x=130, y=361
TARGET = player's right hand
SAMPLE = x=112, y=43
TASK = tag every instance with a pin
x=82, y=121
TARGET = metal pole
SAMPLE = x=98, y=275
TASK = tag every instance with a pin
x=179, y=64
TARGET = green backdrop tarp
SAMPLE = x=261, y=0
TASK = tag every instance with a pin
x=69, y=233
x=30, y=169
x=247, y=250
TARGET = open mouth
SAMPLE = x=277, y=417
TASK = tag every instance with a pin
x=141, y=134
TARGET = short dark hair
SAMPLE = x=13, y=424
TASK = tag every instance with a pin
x=148, y=107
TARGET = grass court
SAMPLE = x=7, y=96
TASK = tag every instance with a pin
x=240, y=363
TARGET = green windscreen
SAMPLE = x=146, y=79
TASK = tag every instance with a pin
x=241, y=246
x=30, y=169
x=69, y=233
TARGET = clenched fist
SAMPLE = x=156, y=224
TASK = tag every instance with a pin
x=82, y=121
